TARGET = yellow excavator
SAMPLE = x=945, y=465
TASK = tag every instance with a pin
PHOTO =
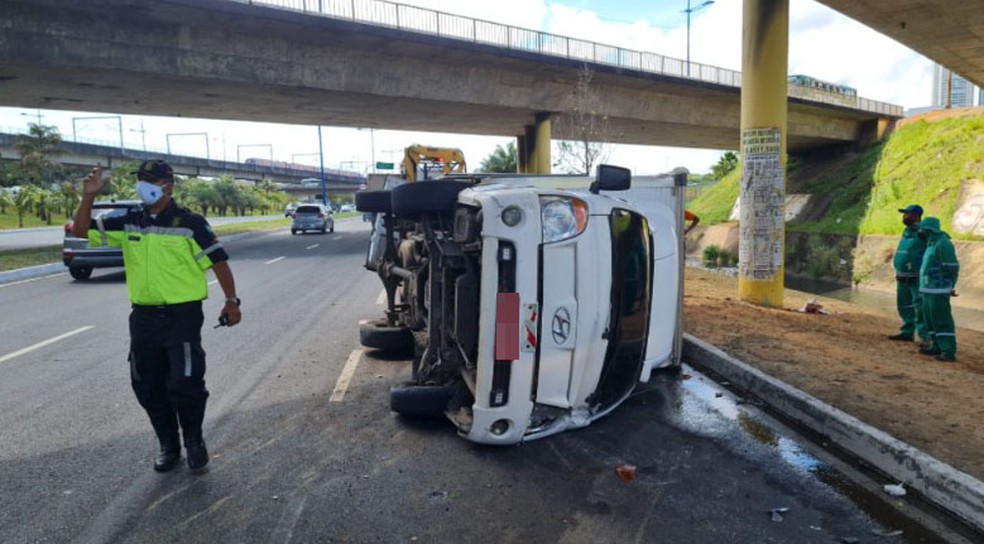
x=446, y=159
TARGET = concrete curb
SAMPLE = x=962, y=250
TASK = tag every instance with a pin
x=946, y=487
x=31, y=272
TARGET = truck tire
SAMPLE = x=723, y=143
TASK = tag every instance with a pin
x=414, y=400
x=378, y=334
x=373, y=201
x=427, y=197
x=80, y=272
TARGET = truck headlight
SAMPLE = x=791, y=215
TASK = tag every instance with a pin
x=562, y=217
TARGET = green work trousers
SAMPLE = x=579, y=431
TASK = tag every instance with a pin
x=939, y=323
x=909, y=304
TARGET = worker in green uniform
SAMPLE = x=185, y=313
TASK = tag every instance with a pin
x=166, y=252
x=937, y=283
x=908, y=259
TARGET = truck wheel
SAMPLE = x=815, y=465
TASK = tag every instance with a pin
x=378, y=334
x=413, y=400
x=80, y=272
x=427, y=197
x=373, y=201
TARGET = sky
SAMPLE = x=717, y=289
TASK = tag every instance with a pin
x=823, y=44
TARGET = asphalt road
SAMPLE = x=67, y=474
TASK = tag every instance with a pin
x=298, y=455
x=51, y=236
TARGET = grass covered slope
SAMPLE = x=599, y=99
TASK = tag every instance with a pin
x=921, y=162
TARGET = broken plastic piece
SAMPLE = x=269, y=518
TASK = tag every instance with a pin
x=626, y=472
x=777, y=513
x=813, y=307
x=895, y=490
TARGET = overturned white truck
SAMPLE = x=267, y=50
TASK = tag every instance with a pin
x=533, y=304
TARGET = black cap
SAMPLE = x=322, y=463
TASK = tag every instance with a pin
x=155, y=169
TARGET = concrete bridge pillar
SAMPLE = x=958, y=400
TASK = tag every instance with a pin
x=522, y=155
x=542, y=145
x=765, y=47
x=533, y=147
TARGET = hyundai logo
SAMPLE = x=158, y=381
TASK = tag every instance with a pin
x=560, y=327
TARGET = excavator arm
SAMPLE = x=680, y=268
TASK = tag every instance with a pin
x=450, y=159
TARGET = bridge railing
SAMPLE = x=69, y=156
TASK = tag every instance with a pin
x=416, y=19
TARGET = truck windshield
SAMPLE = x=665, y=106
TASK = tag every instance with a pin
x=630, y=306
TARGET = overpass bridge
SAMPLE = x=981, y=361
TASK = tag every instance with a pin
x=371, y=63
x=89, y=154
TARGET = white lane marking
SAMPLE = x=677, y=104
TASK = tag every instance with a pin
x=312, y=246
x=44, y=343
x=381, y=299
x=33, y=279
x=213, y=282
x=347, y=372
x=271, y=261
x=336, y=238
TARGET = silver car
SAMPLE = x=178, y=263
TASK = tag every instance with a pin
x=79, y=257
x=312, y=217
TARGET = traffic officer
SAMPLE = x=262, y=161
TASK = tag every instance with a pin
x=937, y=283
x=908, y=259
x=166, y=251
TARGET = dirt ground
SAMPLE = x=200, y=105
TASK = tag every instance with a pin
x=846, y=360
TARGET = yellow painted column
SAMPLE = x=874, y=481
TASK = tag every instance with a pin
x=765, y=46
x=541, y=148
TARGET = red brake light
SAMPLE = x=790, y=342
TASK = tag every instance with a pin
x=68, y=228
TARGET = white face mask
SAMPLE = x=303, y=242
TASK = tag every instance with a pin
x=148, y=192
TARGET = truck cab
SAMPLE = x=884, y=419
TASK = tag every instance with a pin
x=533, y=304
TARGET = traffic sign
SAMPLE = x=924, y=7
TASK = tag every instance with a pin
x=384, y=166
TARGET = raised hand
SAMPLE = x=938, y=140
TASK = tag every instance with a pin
x=93, y=183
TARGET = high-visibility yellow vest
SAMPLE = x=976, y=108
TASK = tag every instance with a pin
x=164, y=265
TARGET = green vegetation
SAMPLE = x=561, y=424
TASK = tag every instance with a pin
x=20, y=258
x=921, y=162
x=715, y=257
x=714, y=204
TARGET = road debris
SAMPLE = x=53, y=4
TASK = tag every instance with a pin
x=895, y=490
x=626, y=472
x=813, y=307
x=776, y=514
x=887, y=534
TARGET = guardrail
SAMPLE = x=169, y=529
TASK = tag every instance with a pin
x=447, y=25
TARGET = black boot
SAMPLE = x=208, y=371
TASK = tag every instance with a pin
x=166, y=429
x=197, y=454
x=191, y=425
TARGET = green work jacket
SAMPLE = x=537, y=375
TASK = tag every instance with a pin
x=909, y=254
x=940, y=268
x=165, y=257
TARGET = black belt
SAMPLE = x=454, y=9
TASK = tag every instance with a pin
x=167, y=307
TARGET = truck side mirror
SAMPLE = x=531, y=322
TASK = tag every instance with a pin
x=611, y=178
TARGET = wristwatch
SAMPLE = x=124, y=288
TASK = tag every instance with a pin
x=235, y=301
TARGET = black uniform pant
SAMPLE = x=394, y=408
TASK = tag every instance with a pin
x=167, y=367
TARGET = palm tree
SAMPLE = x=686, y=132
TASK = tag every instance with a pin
x=23, y=203
x=501, y=160
x=45, y=201
x=727, y=163
x=37, y=148
x=69, y=198
x=5, y=202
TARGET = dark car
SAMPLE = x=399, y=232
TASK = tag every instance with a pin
x=82, y=259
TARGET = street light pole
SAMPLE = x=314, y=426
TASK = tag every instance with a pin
x=688, y=11
x=321, y=155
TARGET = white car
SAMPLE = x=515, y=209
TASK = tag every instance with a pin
x=531, y=309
